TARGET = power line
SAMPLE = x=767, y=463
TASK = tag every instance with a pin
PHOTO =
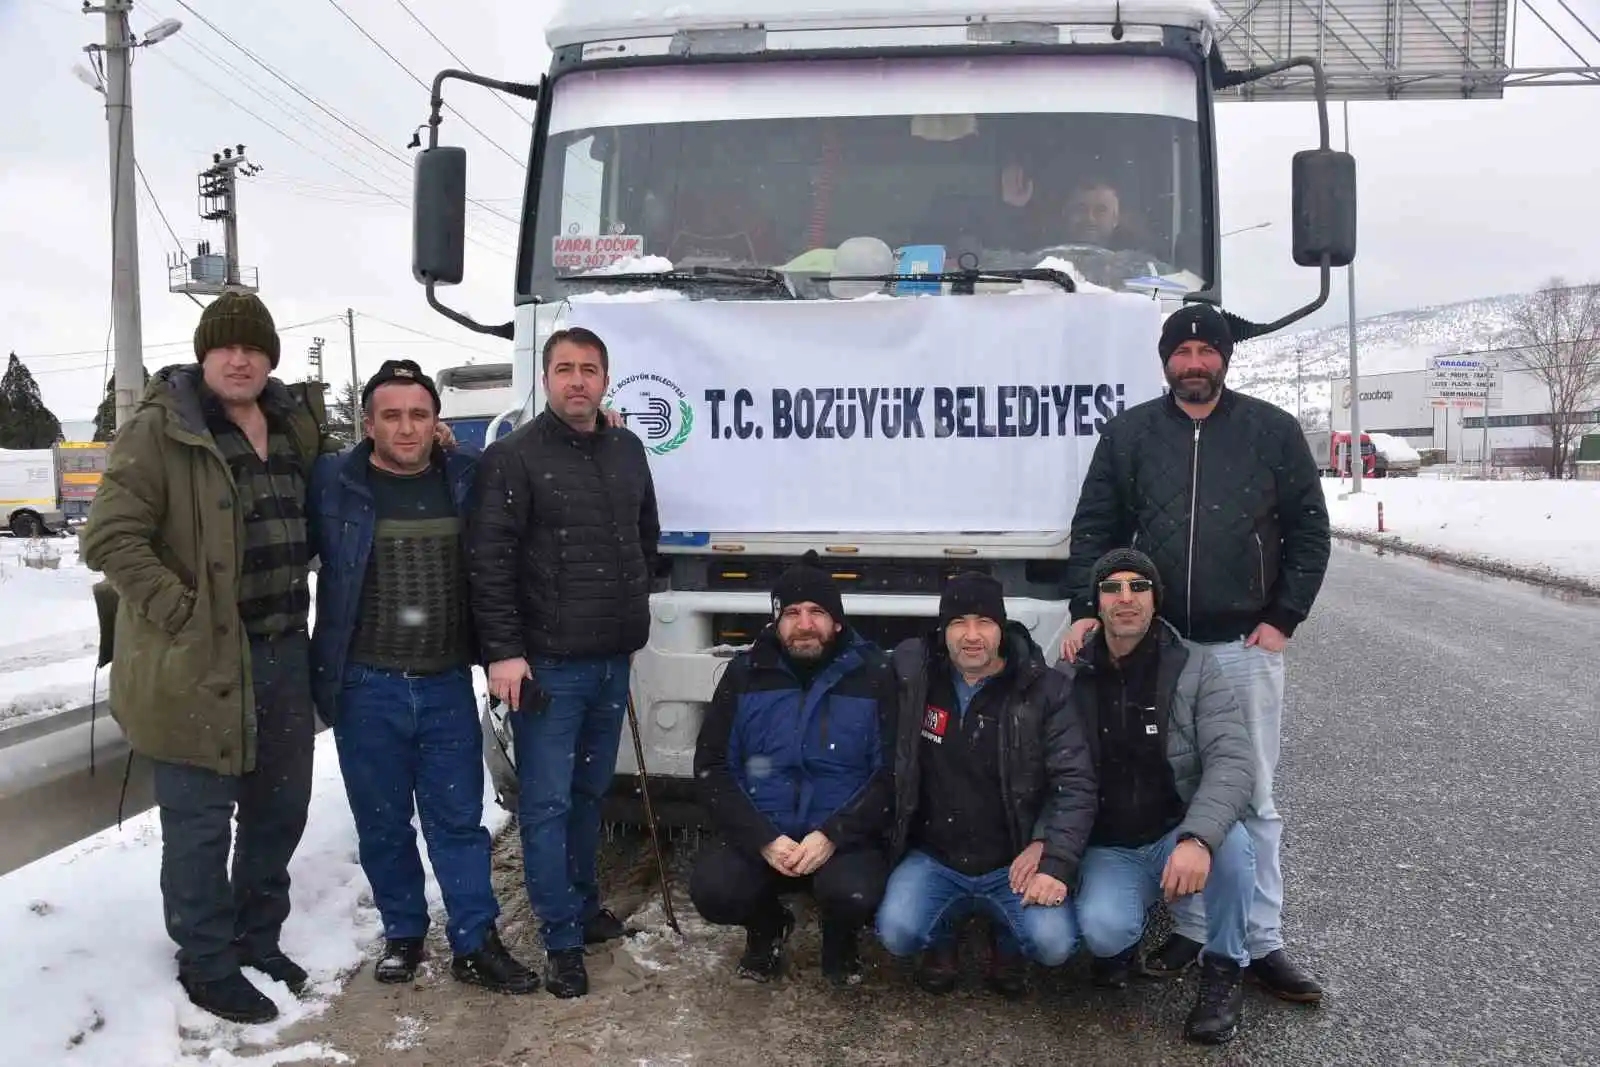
x=459, y=61
x=429, y=336
x=426, y=87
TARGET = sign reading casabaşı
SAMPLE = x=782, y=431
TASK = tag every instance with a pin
x=935, y=414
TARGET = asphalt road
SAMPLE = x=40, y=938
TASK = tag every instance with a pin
x=1440, y=785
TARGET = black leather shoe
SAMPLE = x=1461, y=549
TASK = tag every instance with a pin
x=494, y=968
x=1283, y=978
x=232, y=998
x=279, y=968
x=604, y=926
x=1113, y=972
x=565, y=976
x=1176, y=955
x=841, y=955
x=936, y=971
x=400, y=960
x=763, y=947
x=1218, y=1007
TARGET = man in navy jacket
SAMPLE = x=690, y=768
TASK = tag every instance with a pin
x=794, y=766
x=392, y=663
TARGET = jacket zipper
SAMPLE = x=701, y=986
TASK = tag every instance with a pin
x=1261, y=564
x=1194, y=504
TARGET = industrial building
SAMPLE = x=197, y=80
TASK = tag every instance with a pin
x=1398, y=404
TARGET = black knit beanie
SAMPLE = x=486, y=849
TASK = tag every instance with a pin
x=972, y=593
x=400, y=370
x=807, y=581
x=1196, y=322
x=236, y=319
x=1123, y=559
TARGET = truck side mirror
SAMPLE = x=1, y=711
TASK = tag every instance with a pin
x=439, y=216
x=1324, y=207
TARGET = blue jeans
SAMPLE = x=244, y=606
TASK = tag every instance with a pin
x=1119, y=885
x=1257, y=679
x=924, y=900
x=566, y=757
x=415, y=741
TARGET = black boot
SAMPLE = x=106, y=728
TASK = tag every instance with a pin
x=1219, y=1005
x=1113, y=972
x=493, y=968
x=232, y=998
x=841, y=954
x=400, y=960
x=1282, y=977
x=1008, y=969
x=604, y=926
x=763, y=946
x=280, y=968
x=1176, y=955
x=565, y=976
x=936, y=971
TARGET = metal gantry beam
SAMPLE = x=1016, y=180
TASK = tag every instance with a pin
x=1394, y=49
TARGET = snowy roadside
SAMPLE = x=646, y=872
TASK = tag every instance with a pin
x=1541, y=527
x=91, y=979
x=50, y=635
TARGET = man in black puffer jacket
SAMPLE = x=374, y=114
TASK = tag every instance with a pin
x=561, y=551
x=1221, y=491
x=994, y=794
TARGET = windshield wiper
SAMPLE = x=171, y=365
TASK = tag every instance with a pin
x=964, y=281
x=764, y=278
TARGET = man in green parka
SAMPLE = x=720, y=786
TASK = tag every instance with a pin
x=199, y=526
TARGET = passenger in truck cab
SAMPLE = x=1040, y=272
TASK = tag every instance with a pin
x=793, y=765
x=994, y=794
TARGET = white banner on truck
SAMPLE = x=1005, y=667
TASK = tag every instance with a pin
x=936, y=414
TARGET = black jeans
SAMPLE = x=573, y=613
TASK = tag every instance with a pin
x=216, y=920
x=730, y=887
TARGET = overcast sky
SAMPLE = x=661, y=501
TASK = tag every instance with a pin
x=1458, y=199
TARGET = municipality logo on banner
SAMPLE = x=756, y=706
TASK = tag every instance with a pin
x=656, y=409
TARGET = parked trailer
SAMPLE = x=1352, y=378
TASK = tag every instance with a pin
x=30, y=500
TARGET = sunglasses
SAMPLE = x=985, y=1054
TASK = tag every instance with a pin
x=1113, y=586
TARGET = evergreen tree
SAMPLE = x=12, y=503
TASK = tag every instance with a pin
x=340, y=405
x=24, y=420
x=105, y=418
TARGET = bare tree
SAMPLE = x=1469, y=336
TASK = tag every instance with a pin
x=1559, y=329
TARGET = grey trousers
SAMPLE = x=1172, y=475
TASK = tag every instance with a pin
x=217, y=920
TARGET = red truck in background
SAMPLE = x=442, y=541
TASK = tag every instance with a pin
x=1332, y=452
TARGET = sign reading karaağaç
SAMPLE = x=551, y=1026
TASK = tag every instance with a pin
x=1461, y=379
x=929, y=414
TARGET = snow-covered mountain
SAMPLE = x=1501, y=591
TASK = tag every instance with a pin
x=1399, y=341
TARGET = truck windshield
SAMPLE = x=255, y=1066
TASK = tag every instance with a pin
x=992, y=161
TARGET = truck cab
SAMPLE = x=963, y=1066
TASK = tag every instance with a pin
x=750, y=152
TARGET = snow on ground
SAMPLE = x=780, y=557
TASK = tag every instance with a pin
x=50, y=634
x=1544, y=525
x=90, y=979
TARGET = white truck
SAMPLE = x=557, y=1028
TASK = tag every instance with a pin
x=859, y=264
x=30, y=499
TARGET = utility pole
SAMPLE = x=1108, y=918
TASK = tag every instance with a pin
x=1357, y=461
x=219, y=195
x=1299, y=387
x=117, y=84
x=355, y=379
x=314, y=358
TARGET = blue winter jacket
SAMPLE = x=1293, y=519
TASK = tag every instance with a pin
x=343, y=526
x=774, y=758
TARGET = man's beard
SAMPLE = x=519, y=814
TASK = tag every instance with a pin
x=1197, y=388
x=811, y=653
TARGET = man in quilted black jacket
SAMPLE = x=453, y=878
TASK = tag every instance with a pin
x=1221, y=491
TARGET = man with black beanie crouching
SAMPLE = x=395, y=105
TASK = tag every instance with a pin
x=793, y=767
x=994, y=794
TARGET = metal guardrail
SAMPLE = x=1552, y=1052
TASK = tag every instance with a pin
x=48, y=797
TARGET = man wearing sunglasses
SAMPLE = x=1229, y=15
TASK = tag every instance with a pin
x=1174, y=765
x=1220, y=490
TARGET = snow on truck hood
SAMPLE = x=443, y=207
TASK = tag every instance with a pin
x=585, y=21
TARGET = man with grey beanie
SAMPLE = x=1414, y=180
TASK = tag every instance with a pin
x=1174, y=766
x=1220, y=490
